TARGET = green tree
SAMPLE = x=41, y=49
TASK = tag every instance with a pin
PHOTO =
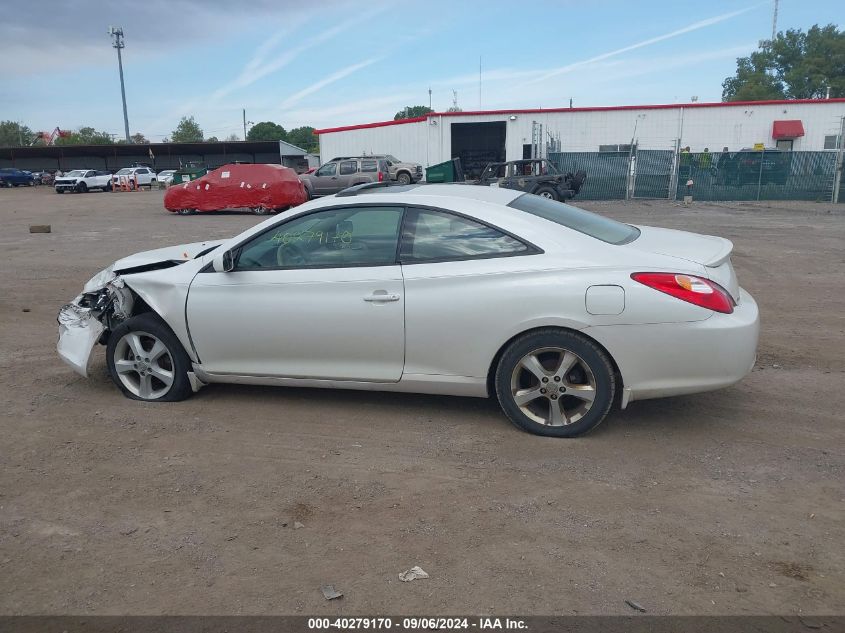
x=139, y=139
x=188, y=131
x=212, y=139
x=85, y=136
x=266, y=131
x=13, y=134
x=231, y=138
x=409, y=112
x=795, y=65
x=303, y=137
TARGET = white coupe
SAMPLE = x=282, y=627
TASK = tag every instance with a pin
x=446, y=289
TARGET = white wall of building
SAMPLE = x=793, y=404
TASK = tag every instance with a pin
x=699, y=126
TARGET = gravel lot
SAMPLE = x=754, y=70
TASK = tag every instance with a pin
x=721, y=503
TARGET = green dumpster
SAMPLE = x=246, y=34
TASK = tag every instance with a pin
x=450, y=171
x=189, y=172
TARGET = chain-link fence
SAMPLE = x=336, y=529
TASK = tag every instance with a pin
x=607, y=172
x=758, y=175
x=742, y=175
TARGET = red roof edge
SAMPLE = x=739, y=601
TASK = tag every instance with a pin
x=660, y=106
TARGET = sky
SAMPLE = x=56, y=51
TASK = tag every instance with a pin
x=329, y=63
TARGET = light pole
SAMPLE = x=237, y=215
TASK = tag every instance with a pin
x=246, y=123
x=116, y=33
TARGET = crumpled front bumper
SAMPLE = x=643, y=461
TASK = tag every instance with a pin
x=81, y=327
x=79, y=331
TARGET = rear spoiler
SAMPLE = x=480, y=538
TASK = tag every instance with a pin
x=722, y=256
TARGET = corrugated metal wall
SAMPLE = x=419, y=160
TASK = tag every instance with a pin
x=429, y=142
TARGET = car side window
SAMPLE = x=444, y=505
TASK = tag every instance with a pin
x=348, y=167
x=441, y=236
x=369, y=165
x=329, y=169
x=332, y=238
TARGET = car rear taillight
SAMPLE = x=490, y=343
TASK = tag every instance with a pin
x=381, y=176
x=689, y=288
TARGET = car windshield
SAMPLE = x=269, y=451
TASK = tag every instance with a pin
x=78, y=173
x=392, y=158
x=596, y=226
x=124, y=172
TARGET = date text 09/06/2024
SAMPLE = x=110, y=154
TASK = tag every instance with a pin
x=416, y=623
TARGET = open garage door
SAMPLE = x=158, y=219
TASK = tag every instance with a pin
x=477, y=144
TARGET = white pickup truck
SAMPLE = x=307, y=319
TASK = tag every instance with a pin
x=82, y=180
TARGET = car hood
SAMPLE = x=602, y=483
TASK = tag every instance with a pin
x=168, y=254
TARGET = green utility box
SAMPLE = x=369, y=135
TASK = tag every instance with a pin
x=450, y=171
x=189, y=172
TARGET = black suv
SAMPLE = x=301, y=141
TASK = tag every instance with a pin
x=537, y=176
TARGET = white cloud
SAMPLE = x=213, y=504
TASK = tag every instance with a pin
x=653, y=40
x=325, y=81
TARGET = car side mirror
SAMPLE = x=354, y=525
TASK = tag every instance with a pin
x=223, y=262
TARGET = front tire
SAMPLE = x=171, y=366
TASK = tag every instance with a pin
x=555, y=383
x=82, y=187
x=147, y=362
x=186, y=211
x=403, y=178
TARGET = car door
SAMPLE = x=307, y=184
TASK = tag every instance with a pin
x=318, y=296
x=325, y=179
x=347, y=174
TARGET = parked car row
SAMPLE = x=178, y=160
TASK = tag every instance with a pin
x=83, y=180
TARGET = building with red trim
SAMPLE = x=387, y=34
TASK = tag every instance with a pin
x=486, y=136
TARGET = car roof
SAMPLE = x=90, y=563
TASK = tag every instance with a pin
x=495, y=195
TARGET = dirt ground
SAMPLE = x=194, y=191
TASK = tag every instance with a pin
x=728, y=502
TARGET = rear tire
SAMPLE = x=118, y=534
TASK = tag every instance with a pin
x=555, y=383
x=147, y=362
x=186, y=211
x=547, y=192
x=260, y=210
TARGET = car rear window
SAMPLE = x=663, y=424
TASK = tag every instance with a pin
x=596, y=226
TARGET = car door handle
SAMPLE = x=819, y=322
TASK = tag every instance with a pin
x=381, y=296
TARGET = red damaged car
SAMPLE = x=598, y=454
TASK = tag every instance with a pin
x=260, y=188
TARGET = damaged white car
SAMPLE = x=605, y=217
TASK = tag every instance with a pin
x=443, y=289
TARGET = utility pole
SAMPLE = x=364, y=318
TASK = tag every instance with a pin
x=244, y=111
x=429, y=97
x=116, y=33
x=775, y=21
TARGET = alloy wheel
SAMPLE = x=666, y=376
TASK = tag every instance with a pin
x=144, y=365
x=553, y=386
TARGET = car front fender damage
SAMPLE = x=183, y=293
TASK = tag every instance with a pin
x=104, y=303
